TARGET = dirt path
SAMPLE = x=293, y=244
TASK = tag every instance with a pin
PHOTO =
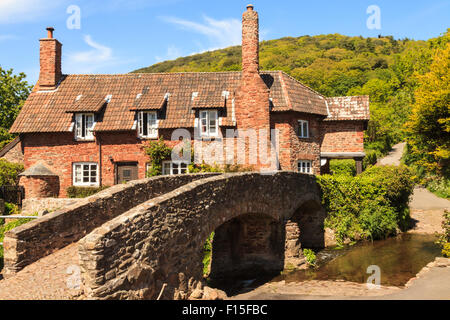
x=46, y=279
x=393, y=157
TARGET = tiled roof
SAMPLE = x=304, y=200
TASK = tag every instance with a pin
x=349, y=108
x=51, y=111
x=87, y=103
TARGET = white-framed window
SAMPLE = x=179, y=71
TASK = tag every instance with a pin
x=209, y=122
x=84, y=126
x=304, y=166
x=174, y=167
x=148, y=124
x=303, y=129
x=85, y=174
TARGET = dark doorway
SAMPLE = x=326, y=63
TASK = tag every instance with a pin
x=126, y=172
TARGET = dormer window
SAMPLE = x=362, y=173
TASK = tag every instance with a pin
x=303, y=129
x=209, y=123
x=148, y=124
x=84, y=126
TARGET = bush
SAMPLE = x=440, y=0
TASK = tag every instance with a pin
x=310, y=257
x=371, y=158
x=9, y=173
x=372, y=205
x=346, y=167
x=83, y=192
x=158, y=151
x=207, y=252
x=5, y=228
x=444, y=239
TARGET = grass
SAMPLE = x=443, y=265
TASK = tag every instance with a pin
x=9, y=226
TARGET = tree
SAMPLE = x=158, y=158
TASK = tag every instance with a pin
x=14, y=90
x=429, y=124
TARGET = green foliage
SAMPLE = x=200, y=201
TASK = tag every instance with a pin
x=369, y=206
x=371, y=158
x=9, y=226
x=310, y=257
x=207, y=253
x=444, y=239
x=13, y=92
x=158, y=152
x=428, y=127
x=9, y=172
x=345, y=167
x=11, y=208
x=83, y=192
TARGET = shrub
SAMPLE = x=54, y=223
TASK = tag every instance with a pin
x=310, y=257
x=158, y=151
x=345, y=167
x=444, y=239
x=371, y=158
x=83, y=192
x=9, y=172
x=207, y=252
x=5, y=228
x=372, y=205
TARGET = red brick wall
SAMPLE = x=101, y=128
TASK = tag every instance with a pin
x=343, y=136
x=293, y=148
x=58, y=151
x=40, y=186
x=50, y=63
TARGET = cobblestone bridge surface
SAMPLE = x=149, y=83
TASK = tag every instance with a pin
x=45, y=279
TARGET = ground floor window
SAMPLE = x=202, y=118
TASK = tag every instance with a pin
x=305, y=166
x=85, y=174
x=174, y=167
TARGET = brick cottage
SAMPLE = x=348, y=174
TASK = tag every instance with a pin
x=91, y=130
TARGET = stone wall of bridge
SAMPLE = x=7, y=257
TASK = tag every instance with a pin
x=41, y=237
x=156, y=248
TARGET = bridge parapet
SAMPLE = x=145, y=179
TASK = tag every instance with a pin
x=34, y=240
x=157, y=246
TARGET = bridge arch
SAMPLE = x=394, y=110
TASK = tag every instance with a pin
x=158, y=243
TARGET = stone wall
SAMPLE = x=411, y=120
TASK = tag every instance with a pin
x=46, y=205
x=14, y=154
x=160, y=241
x=34, y=240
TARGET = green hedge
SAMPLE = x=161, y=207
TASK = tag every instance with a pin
x=9, y=172
x=346, y=167
x=83, y=192
x=9, y=226
x=372, y=205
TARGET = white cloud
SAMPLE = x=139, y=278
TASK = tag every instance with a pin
x=98, y=57
x=172, y=53
x=14, y=11
x=220, y=33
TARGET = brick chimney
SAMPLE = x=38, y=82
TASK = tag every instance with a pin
x=50, y=62
x=252, y=95
x=250, y=41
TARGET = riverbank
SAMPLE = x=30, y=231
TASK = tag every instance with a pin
x=431, y=282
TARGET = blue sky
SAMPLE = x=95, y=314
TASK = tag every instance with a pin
x=118, y=36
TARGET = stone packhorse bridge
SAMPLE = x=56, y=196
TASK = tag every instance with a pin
x=156, y=248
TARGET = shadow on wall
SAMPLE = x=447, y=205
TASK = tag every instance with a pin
x=254, y=245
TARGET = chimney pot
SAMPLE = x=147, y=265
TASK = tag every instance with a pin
x=50, y=32
x=250, y=7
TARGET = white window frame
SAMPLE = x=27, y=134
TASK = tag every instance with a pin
x=151, y=125
x=206, y=119
x=75, y=174
x=304, y=166
x=84, y=132
x=301, y=129
x=174, y=167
